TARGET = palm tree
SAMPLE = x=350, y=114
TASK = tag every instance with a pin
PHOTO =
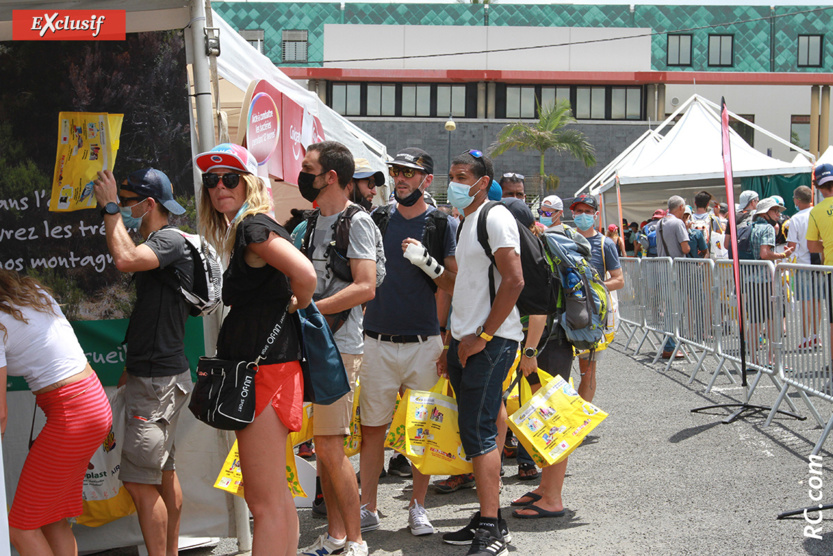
x=548, y=133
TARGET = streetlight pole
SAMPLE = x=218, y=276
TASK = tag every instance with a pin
x=450, y=126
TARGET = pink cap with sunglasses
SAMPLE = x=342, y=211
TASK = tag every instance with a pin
x=227, y=155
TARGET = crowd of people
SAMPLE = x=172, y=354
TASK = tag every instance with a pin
x=408, y=301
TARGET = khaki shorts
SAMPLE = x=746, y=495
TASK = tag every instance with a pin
x=152, y=406
x=334, y=419
x=388, y=367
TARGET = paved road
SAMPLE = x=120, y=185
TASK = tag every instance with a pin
x=657, y=479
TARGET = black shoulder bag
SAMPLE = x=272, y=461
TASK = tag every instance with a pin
x=224, y=395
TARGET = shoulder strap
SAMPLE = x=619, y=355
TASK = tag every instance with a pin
x=381, y=217
x=433, y=236
x=306, y=243
x=483, y=239
x=341, y=231
x=661, y=237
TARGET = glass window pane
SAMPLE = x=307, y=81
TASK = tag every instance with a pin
x=582, y=103
x=634, y=104
x=374, y=100
x=513, y=102
x=458, y=101
x=726, y=51
x=547, y=96
x=815, y=51
x=443, y=100
x=618, y=102
x=597, y=101
x=803, y=54
x=388, y=100
x=714, y=50
x=562, y=93
x=408, y=100
x=673, y=50
x=685, y=50
x=528, y=102
x=353, y=100
x=800, y=135
x=423, y=100
x=339, y=98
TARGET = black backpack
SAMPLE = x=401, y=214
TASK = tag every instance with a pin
x=337, y=261
x=541, y=291
x=205, y=294
x=433, y=235
x=745, y=241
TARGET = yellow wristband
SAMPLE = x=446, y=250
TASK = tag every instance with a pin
x=445, y=347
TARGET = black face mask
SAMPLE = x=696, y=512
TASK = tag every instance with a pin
x=359, y=199
x=306, y=185
x=412, y=198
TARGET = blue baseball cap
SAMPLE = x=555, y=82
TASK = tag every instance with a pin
x=495, y=192
x=150, y=182
x=823, y=173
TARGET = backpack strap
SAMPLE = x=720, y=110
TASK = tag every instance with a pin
x=661, y=237
x=307, y=246
x=483, y=239
x=381, y=217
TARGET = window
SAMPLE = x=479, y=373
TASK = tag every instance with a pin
x=625, y=103
x=800, y=131
x=416, y=100
x=520, y=102
x=294, y=46
x=451, y=99
x=746, y=132
x=549, y=95
x=590, y=103
x=809, y=51
x=381, y=100
x=679, y=50
x=254, y=37
x=720, y=50
x=347, y=99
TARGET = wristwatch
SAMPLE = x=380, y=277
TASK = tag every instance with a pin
x=530, y=352
x=110, y=208
x=480, y=334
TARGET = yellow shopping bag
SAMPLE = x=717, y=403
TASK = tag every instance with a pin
x=353, y=441
x=425, y=430
x=513, y=400
x=230, y=478
x=301, y=436
x=554, y=421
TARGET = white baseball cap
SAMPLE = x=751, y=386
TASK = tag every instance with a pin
x=553, y=201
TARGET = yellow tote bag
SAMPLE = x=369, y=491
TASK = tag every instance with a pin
x=230, y=478
x=425, y=430
x=353, y=441
x=305, y=433
x=554, y=421
x=513, y=401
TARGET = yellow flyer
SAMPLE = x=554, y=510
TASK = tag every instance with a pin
x=87, y=143
x=230, y=478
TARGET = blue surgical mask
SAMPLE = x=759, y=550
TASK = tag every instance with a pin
x=458, y=195
x=584, y=221
x=130, y=221
x=545, y=220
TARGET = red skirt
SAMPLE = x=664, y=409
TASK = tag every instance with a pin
x=78, y=419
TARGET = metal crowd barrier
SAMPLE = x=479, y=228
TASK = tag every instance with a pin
x=803, y=354
x=657, y=284
x=631, y=309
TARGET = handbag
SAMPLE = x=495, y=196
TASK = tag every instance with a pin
x=224, y=395
x=325, y=378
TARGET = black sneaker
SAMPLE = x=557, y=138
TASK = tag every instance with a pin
x=319, y=507
x=465, y=535
x=484, y=544
x=399, y=465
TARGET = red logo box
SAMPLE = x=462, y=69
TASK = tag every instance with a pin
x=68, y=25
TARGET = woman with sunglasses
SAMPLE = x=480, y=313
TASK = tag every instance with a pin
x=266, y=275
x=37, y=343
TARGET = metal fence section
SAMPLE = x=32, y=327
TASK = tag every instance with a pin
x=631, y=309
x=657, y=285
x=803, y=353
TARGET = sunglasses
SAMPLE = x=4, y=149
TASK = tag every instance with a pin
x=394, y=171
x=230, y=180
x=513, y=175
x=543, y=212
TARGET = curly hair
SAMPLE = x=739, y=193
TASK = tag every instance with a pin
x=215, y=226
x=18, y=291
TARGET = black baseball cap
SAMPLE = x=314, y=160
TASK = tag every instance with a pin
x=585, y=199
x=150, y=182
x=412, y=157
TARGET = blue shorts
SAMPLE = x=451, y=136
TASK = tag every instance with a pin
x=478, y=389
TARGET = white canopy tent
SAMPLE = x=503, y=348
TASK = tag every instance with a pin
x=687, y=159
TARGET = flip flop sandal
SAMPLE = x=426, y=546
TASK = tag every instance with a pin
x=531, y=472
x=534, y=498
x=539, y=513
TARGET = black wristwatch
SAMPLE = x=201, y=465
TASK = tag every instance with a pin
x=110, y=208
x=530, y=352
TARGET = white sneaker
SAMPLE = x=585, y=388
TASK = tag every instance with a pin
x=418, y=521
x=356, y=549
x=370, y=520
x=323, y=545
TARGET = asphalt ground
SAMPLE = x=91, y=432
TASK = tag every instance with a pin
x=654, y=478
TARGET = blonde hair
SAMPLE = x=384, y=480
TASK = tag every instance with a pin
x=22, y=291
x=215, y=226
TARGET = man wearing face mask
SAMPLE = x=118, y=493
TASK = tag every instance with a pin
x=157, y=379
x=604, y=256
x=405, y=324
x=363, y=186
x=552, y=208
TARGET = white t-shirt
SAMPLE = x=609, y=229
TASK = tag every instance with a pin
x=798, y=234
x=471, y=303
x=43, y=351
